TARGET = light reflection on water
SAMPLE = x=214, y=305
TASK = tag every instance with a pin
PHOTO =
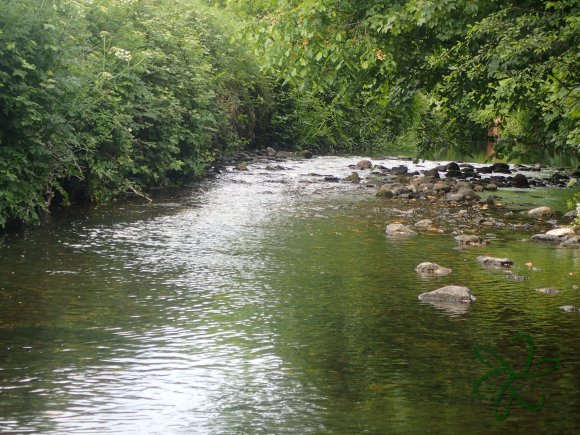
x=265, y=303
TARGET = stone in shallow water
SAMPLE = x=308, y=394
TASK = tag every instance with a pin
x=547, y=238
x=548, y=290
x=449, y=293
x=571, y=242
x=432, y=269
x=364, y=164
x=540, y=212
x=424, y=223
x=569, y=308
x=494, y=261
x=399, y=230
x=561, y=232
x=470, y=240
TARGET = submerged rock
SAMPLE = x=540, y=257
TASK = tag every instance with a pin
x=571, y=242
x=548, y=290
x=514, y=276
x=570, y=308
x=432, y=269
x=470, y=240
x=449, y=293
x=494, y=261
x=399, y=230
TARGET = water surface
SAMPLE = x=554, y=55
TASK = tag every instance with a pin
x=273, y=302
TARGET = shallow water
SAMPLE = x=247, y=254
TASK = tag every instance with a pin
x=273, y=302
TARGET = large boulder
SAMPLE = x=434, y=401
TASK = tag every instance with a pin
x=449, y=293
x=399, y=230
x=540, y=212
x=494, y=261
x=427, y=268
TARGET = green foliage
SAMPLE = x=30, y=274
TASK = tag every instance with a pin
x=475, y=60
x=99, y=98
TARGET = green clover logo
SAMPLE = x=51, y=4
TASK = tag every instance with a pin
x=500, y=367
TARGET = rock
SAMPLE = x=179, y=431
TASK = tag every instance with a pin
x=494, y=261
x=399, y=170
x=442, y=186
x=432, y=269
x=331, y=179
x=424, y=223
x=540, y=212
x=449, y=293
x=434, y=173
x=452, y=167
x=561, y=232
x=467, y=192
x=270, y=152
x=385, y=192
x=364, y=164
x=571, y=214
x=546, y=238
x=455, y=197
x=470, y=240
x=451, y=173
x=488, y=200
x=399, y=230
x=501, y=167
x=570, y=308
x=548, y=290
x=485, y=170
x=571, y=242
x=307, y=154
x=243, y=166
x=353, y=178
x=514, y=276
x=490, y=186
x=521, y=181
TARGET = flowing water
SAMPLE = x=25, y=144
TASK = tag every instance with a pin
x=273, y=302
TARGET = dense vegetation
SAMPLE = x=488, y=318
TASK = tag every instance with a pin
x=100, y=98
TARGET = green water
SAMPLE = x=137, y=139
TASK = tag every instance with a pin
x=275, y=303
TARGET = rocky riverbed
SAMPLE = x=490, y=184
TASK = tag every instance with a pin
x=455, y=198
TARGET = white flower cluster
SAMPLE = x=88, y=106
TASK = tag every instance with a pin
x=122, y=54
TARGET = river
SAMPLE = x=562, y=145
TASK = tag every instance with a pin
x=273, y=302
